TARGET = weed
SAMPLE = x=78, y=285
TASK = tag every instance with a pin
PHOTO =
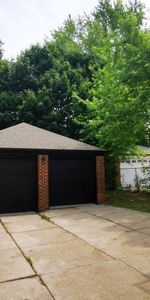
x=29, y=261
x=44, y=217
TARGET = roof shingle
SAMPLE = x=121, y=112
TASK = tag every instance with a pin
x=26, y=136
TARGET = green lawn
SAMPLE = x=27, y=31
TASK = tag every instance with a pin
x=136, y=201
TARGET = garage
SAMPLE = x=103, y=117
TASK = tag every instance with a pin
x=40, y=169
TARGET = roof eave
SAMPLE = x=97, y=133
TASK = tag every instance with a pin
x=46, y=149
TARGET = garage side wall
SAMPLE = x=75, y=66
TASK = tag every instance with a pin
x=43, y=183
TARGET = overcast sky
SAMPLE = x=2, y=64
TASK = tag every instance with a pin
x=26, y=22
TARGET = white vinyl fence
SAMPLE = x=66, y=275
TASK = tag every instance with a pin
x=133, y=173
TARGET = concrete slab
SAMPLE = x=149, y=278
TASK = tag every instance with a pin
x=31, y=239
x=2, y=228
x=132, y=248
x=140, y=262
x=144, y=231
x=129, y=218
x=87, y=206
x=24, y=217
x=65, y=255
x=143, y=224
x=76, y=218
x=94, y=224
x=97, y=232
x=6, y=242
x=110, y=280
x=114, y=239
x=99, y=210
x=72, y=268
x=20, y=226
x=102, y=241
x=13, y=265
x=59, y=212
x=25, y=289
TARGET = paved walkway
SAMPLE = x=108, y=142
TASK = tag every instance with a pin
x=87, y=252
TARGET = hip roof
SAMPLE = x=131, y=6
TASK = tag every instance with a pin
x=26, y=136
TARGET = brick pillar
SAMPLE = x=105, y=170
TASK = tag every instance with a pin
x=100, y=179
x=118, y=175
x=43, y=184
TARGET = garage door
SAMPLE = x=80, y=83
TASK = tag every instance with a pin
x=72, y=181
x=17, y=184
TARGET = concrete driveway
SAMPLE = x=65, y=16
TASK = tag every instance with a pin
x=86, y=252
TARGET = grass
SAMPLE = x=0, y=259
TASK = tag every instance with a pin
x=135, y=201
x=29, y=261
x=44, y=217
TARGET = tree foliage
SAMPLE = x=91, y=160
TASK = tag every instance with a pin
x=89, y=81
x=119, y=115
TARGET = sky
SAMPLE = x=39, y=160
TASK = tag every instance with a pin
x=26, y=22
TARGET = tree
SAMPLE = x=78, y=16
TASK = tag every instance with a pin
x=1, y=50
x=89, y=81
x=44, y=79
x=118, y=116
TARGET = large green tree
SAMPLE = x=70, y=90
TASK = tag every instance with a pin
x=119, y=113
x=44, y=79
x=89, y=81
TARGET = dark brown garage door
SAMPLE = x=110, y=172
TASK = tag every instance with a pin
x=17, y=184
x=72, y=181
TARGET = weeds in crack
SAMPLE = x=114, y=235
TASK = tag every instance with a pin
x=29, y=261
x=44, y=217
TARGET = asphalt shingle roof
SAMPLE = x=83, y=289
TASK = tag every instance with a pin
x=26, y=136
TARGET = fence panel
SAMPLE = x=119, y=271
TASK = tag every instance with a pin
x=133, y=176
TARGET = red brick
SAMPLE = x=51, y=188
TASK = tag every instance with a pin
x=100, y=179
x=43, y=183
x=118, y=175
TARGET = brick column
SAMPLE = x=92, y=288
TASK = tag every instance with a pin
x=43, y=184
x=118, y=175
x=100, y=179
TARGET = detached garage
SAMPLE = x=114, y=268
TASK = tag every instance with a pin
x=40, y=169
